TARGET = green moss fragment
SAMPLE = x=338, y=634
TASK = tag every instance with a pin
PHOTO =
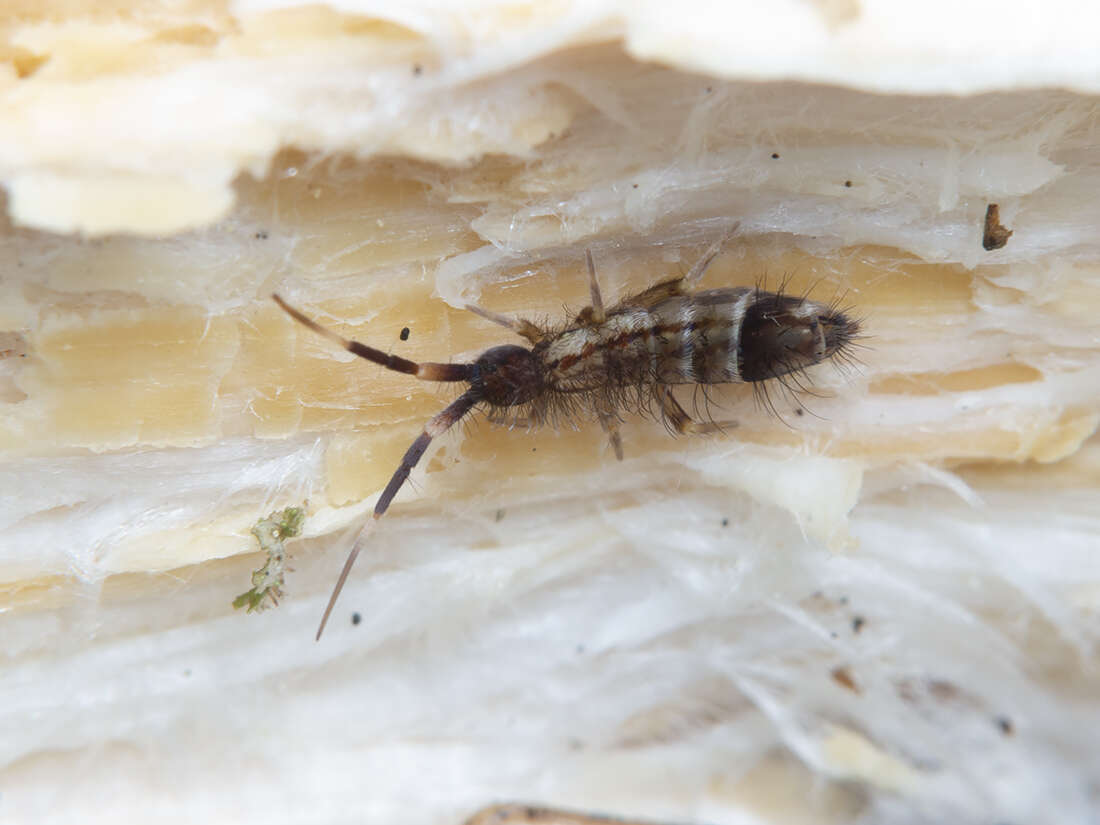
x=267, y=582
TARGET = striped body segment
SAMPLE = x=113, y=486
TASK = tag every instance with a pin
x=684, y=339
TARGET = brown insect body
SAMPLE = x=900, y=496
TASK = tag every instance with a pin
x=717, y=336
x=624, y=359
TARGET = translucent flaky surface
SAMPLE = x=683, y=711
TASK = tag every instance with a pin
x=874, y=603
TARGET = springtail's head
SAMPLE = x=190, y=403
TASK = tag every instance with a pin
x=782, y=334
x=507, y=376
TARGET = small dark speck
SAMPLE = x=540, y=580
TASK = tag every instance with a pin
x=1006, y=726
x=775, y=156
x=843, y=600
x=261, y=235
x=798, y=411
x=356, y=618
x=534, y=449
x=417, y=70
x=709, y=90
x=635, y=186
x=857, y=624
x=832, y=634
x=725, y=522
x=404, y=333
x=500, y=515
x=848, y=183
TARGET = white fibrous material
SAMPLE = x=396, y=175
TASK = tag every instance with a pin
x=877, y=599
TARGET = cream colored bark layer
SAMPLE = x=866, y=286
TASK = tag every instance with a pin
x=879, y=599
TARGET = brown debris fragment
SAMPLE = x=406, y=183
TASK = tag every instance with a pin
x=843, y=677
x=995, y=235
